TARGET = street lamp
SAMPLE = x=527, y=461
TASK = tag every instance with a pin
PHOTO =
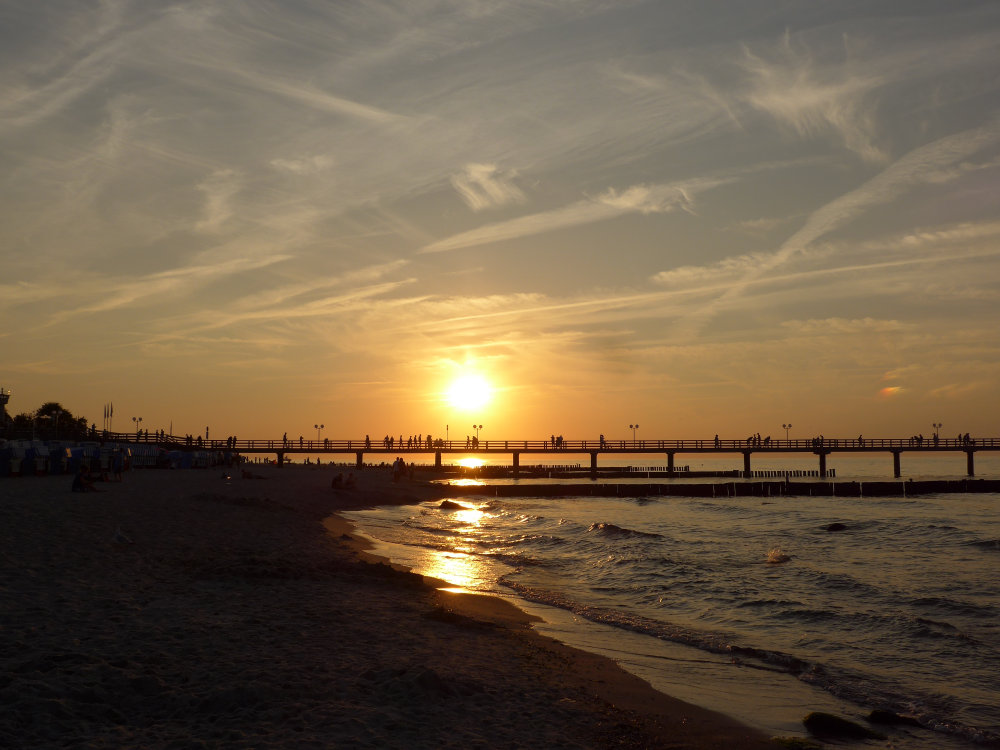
x=319, y=430
x=633, y=427
x=138, y=425
x=787, y=427
x=477, y=428
x=937, y=426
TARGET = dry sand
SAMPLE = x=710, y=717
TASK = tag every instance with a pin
x=231, y=617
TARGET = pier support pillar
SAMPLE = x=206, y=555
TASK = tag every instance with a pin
x=895, y=464
x=593, y=464
x=670, y=462
x=437, y=459
x=746, y=463
x=359, y=459
x=822, y=466
x=970, y=463
x=517, y=464
x=281, y=459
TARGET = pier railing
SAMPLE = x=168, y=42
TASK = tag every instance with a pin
x=557, y=445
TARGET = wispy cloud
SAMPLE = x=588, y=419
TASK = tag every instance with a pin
x=842, y=326
x=486, y=186
x=218, y=189
x=794, y=89
x=114, y=294
x=921, y=166
x=642, y=199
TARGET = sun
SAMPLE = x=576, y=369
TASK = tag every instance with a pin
x=470, y=392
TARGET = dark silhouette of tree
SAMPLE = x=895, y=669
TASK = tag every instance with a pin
x=50, y=421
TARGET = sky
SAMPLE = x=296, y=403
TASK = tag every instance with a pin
x=700, y=217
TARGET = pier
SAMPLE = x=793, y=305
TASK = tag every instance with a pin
x=747, y=448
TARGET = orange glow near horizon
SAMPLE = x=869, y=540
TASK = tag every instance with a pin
x=471, y=462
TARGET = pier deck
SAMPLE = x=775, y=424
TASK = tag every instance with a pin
x=821, y=447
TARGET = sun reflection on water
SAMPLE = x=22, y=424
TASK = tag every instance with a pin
x=471, y=516
x=459, y=565
x=457, y=568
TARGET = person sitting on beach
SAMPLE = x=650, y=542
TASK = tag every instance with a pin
x=350, y=481
x=82, y=481
x=338, y=481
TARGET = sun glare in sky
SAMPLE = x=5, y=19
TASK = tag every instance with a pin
x=470, y=392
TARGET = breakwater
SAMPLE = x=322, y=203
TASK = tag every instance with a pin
x=727, y=489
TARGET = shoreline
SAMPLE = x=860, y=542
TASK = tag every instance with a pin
x=178, y=607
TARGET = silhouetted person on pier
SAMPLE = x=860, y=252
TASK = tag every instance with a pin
x=368, y=442
x=717, y=442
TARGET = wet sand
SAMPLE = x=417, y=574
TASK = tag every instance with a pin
x=180, y=610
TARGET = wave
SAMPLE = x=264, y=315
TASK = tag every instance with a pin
x=540, y=540
x=610, y=530
x=992, y=545
x=517, y=560
x=934, y=712
x=953, y=606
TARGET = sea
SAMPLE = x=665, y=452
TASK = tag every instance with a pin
x=764, y=609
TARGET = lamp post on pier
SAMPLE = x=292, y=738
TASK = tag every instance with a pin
x=319, y=430
x=138, y=426
x=786, y=427
x=477, y=428
x=633, y=427
x=937, y=426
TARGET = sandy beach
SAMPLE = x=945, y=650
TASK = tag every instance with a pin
x=178, y=609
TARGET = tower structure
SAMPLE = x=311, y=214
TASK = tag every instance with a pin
x=4, y=398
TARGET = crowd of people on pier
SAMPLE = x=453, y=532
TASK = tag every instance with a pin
x=412, y=442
